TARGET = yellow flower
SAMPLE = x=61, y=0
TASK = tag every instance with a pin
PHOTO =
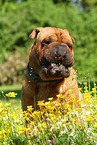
x=18, y=121
x=85, y=83
x=70, y=90
x=21, y=132
x=88, y=119
x=68, y=106
x=31, y=123
x=47, y=103
x=13, y=114
x=28, y=129
x=11, y=94
x=79, y=110
x=52, y=108
x=73, y=98
x=43, y=125
x=53, y=118
x=8, y=95
x=4, y=115
x=83, y=105
x=22, y=129
x=16, y=108
x=47, y=114
x=88, y=101
x=67, y=124
x=50, y=99
x=29, y=108
x=48, y=108
x=85, y=88
x=57, y=104
x=51, y=115
x=94, y=89
x=29, y=141
x=95, y=98
x=75, y=118
x=79, y=124
x=95, y=125
x=95, y=104
x=95, y=112
x=1, y=110
x=6, y=131
x=1, y=132
x=64, y=120
x=37, y=113
x=59, y=95
x=63, y=97
x=79, y=100
x=1, y=104
x=80, y=89
x=7, y=104
x=41, y=103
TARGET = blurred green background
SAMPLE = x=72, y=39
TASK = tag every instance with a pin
x=19, y=17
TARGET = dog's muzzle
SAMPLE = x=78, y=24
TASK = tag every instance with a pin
x=57, y=60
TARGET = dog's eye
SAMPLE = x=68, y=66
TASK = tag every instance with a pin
x=45, y=42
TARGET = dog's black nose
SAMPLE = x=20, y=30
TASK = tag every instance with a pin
x=60, y=51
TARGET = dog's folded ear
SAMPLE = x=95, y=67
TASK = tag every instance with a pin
x=35, y=33
x=70, y=35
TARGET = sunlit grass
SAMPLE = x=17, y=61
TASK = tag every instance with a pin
x=55, y=123
x=10, y=87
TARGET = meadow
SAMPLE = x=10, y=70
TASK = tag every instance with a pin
x=58, y=124
x=53, y=125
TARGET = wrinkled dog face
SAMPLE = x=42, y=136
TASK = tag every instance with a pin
x=55, y=51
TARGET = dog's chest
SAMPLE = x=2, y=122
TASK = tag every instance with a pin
x=44, y=92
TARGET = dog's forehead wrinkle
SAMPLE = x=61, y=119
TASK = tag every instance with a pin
x=46, y=32
x=55, y=35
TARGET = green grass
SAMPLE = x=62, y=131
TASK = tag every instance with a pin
x=11, y=88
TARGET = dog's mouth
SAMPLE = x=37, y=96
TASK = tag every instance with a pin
x=56, y=69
